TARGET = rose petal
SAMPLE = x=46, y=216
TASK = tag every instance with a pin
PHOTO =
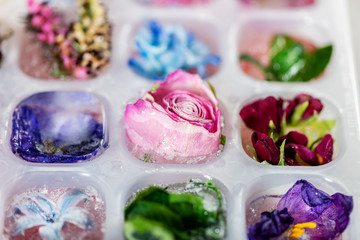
x=300, y=154
x=257, y=115
x=315, y=105
x=183, y=81
x=293, y=137
x=265, y=148
x=325, y=149
x=153, y=132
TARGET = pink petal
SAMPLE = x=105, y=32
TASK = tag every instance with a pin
x=153, y=132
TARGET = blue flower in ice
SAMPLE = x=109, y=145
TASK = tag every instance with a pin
x=164, y=49
x=41, y=211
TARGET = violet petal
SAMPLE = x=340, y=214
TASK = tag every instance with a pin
x=272, y=224
x=304, y=202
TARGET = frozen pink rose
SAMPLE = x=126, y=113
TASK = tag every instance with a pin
x=179, y=122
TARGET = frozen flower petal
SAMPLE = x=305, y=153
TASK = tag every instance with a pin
x=300, y=154
x=324, y=150
x=257, y=115
x=265, y=148
x=272, y=224
x=163, y=49
x=314, y=106
x=304, y=202
x=293, y=137
x=176, y=122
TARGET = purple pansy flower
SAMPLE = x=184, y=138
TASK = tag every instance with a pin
x=259, y=114
x=314, y=212
x=272, y=224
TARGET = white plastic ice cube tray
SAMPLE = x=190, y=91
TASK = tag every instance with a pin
x=116, y=174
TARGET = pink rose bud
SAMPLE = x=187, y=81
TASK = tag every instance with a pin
x=42, y=37
x=178, y=122
x=46, y=11
x=46, y=27
x=80, y=73
x=34, y=6
x=37, y=21
x=50, y=38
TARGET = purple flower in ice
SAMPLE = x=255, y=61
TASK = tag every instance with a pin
x=314, y=212
x=272, y=224
x=263, y=114
x=164, y=49
x=62, y=127
x=50, y=217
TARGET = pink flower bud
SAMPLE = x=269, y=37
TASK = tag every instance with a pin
x=41, y=37
x=179, y=122
x=37, y=21
x=46, y=12
x=80, y=73
x=46, y=27
x=50, y=38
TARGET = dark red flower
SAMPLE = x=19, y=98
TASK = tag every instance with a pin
x=265, y=148
x=325, y=149
x=315, y=105
x=257, y=115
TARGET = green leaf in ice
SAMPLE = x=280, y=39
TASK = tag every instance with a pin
x=289, y=61
x=282, y=154
x=313, y=128
x=155, y=213
x=298, y=113
x=139, y=228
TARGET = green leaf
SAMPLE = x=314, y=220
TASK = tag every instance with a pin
x=223, y=140
x=313, y=129
x=287, y=62
x=253, y=152
x=256, y=63
x=154, y=87
x=282, y=154
x=316, y=63
x=265, y=163
x=154, y=194
x=298, y=113
x=190, y=208
x=139, y=228
x=212, y=89
x=156, y=212
x=76, y=46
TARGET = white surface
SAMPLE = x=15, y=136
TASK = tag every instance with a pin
x=354, y=8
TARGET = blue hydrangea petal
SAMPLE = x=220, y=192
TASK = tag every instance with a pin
x=173, y=48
